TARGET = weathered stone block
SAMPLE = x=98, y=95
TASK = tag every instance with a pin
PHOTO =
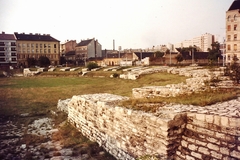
x=224, y=150
x=235, y=154
x=209, y=118
x=204, y=150
x=213, y=146
x=200, y=117
x=224, y=121
x=197, y=155
x=216, y=155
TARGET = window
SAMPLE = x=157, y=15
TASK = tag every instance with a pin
x=55, y=46
x=32, y=45
x=13, y=49
x=235, y=17
x=36, y=45
x=228, y=18
x=2, y=54
x=2, y=44
x=1, y=49
x=49, y=50
x=13, y=54
x=229, y=47
x=32, y=50
x=36, y=50
x=49, y=45
x=235, y=27
x=14, y=59
x=28, y=45
x=229, y=28
x=235, y=37
x=45, y=45
x=13, y=44
x=2, y=59
x=229, y=37
x=235, y=47
x=40, y=45
x=45, y=51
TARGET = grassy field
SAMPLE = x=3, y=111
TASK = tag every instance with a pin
x=39, y=94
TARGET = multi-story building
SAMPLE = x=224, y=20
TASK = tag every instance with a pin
x=233, y=31
x=202, y=42
x=68, y=46
x=86, y=49
x=35, y=46
x=8, y=55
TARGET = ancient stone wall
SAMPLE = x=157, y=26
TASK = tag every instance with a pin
x=173, y=131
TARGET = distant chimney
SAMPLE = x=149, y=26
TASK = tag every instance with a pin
x=114, y=45
x=3, y=32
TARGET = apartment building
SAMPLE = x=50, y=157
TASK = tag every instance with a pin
x=86, y=49
x=202, y=42
x=35, y=46
x=8, y=53
x=233, y=31
x=69, y=45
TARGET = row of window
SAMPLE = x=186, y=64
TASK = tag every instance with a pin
x=8, y=59
x=234, y=37
x=234, y=47
x=4, y=54
x=24, y=56
x=36, y=51
x=235, y=17
x=234, y=27
x=36, y=45
x=7, y=44
x=7, y=49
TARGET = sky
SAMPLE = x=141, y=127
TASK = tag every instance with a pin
x=130, y=23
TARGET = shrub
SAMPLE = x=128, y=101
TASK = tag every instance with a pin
x=115, y=75
x=92, y=65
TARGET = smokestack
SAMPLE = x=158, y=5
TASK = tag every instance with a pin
x=114, y=45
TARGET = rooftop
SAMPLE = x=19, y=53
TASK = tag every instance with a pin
x=84, y=42
x=4, y=36
x=35, y=37
x=235, y=5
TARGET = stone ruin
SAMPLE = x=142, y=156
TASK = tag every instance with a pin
x=174, y=131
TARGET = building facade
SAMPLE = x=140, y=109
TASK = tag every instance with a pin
x=8, y=53
x=86, y=49
x=35, y=46
x=233, y=31
x=202, y=42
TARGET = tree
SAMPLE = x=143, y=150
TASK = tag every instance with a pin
x=234, y=70
x=62, y=60
x=214, y=53
x=159, y=54
x=179, y=58
x=43, y=61
x=31, y=62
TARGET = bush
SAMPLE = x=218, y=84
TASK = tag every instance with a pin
x=115, y=75
x=92, y=65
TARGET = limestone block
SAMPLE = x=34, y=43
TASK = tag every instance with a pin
x=209, y=118
x=224, y=121
x=204, y=150
x=216, y=155
x=224, y=150
x=213, y=146
x=197, y=155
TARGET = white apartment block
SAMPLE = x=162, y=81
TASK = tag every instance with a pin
x=8, y=53
x=233, y=31
x=203, y=42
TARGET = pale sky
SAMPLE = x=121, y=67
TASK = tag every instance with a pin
x=131, y=23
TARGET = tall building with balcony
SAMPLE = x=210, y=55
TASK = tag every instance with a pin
x=35, y=46
x=8, y=53
x=233, y=31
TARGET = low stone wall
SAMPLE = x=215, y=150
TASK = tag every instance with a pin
x=197, y=82
x=172, y=132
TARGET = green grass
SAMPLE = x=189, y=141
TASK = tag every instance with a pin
x=41, y=94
